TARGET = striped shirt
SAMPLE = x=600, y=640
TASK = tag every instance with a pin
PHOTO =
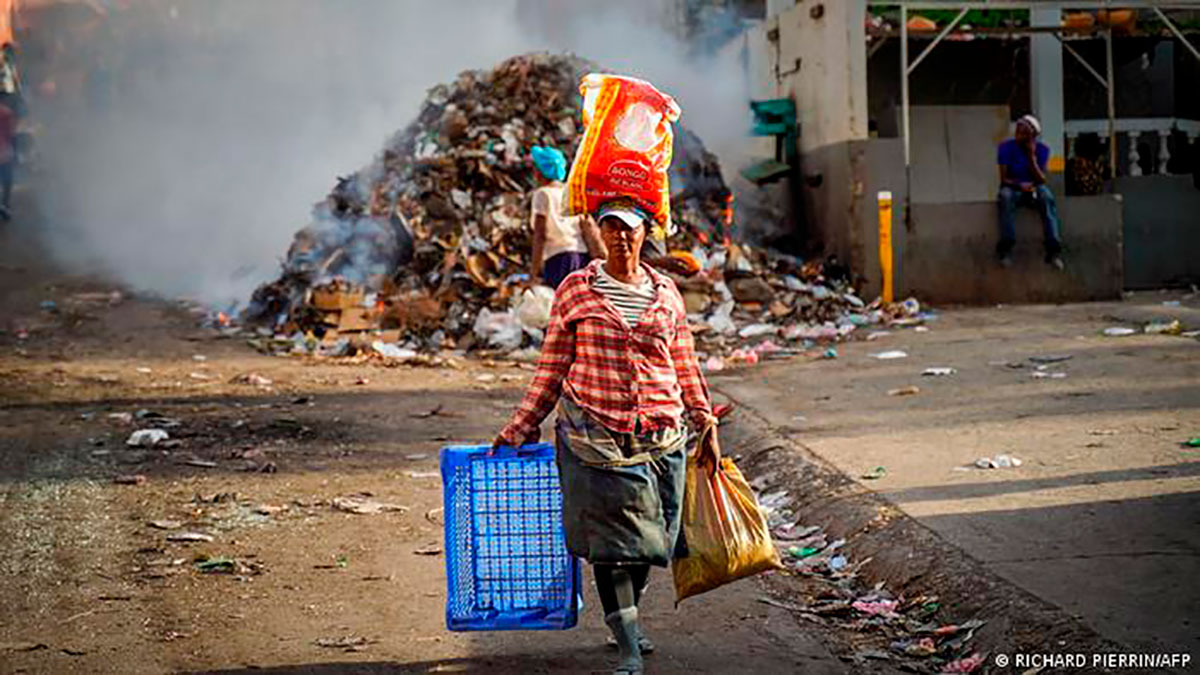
x=643, y=377
x=631, y=300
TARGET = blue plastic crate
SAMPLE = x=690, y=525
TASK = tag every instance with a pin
x=507, y=566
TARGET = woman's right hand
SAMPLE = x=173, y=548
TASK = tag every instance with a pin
x=500, y=441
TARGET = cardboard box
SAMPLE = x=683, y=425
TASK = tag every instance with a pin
x=357, y=319
x=331, y=298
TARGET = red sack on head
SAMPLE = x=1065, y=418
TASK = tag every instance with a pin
x=626, y=147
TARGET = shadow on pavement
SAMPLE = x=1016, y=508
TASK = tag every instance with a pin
x=990, y=489
x=1124, y=564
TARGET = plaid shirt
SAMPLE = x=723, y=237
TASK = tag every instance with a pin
x=641, y=378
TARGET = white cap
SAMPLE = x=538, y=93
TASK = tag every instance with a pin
x=1032, y=122
x=630, y=215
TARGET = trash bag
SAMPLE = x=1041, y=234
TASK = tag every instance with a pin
x=725, y=530
x=534, y=308
x=499, y=329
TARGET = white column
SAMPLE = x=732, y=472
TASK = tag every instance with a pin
x=1046, y=80
x=1164, y=150
x=1135, y=167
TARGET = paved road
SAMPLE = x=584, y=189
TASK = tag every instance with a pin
x=1102, y=518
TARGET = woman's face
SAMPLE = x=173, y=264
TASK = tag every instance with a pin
x=623, y=242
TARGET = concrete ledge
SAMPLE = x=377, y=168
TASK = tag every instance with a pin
x=948, y=255
x=910, y=559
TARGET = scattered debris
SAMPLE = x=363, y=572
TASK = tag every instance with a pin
x=1164, y=328
x=889, y=355
x=436, y=411
x=252, y=379
x=1051, y=358
x=349, y=643
x=884, y=607
x=216, y=564
x=129, y=479
x=874, y=474
x=938, y=371
x=190, y=537
x=424, y=474
x=431, y=549
x=999, y=462
x=166, y=524
x=1119, y=331
x=146, y=438
x=201, y=463
x=364, y=505
x=392, y=351
x=434, y=515
x=1048, y=375
x=122, y=417
x=904, y=391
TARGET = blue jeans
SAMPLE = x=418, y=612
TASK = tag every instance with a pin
x=1042, y=200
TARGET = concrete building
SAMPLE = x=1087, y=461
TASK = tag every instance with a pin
x=843, y=71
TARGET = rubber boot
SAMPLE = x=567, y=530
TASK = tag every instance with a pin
x=624, y=626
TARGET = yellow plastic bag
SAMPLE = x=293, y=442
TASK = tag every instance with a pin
x=726, y=531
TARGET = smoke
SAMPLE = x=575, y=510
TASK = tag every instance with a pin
x=200, y=133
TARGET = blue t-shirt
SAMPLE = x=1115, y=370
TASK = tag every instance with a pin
x=1012, y=155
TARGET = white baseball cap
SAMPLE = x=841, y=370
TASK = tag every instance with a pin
x=632, y=216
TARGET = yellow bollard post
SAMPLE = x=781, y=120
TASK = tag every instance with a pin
x=885, y=243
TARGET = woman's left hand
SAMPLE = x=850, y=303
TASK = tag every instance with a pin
x=708, y=448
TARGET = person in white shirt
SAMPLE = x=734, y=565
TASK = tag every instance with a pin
x=561, y=243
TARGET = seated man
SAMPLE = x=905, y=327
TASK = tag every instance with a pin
x=1022, y=161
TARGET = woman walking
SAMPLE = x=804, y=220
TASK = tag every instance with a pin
x=561, y=244
x=619, y=367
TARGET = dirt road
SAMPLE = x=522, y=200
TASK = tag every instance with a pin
x=1100, y=519
x=95, y=583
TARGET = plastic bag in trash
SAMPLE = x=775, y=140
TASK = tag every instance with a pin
x=725, y=530
x=721, y=320
x=499, y=329
x=534, y=308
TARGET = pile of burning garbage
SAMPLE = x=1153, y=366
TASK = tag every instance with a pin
x=428, y=248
